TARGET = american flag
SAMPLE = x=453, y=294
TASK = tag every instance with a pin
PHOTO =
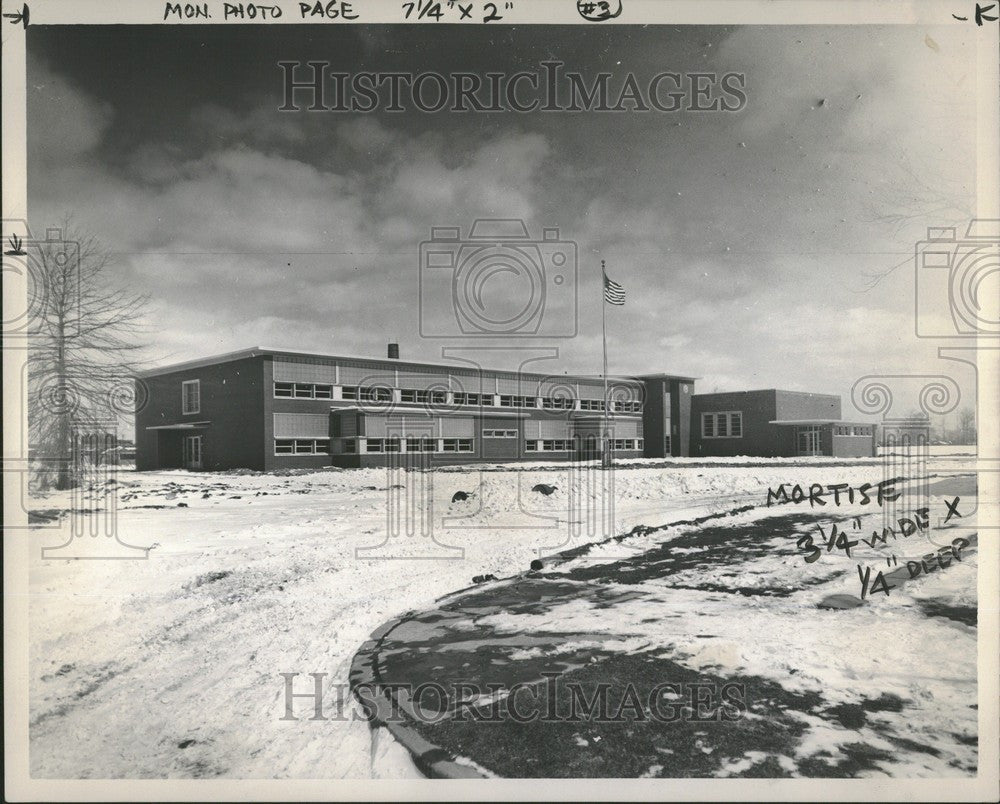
x=613, y=292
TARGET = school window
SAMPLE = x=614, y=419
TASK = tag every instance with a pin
x=373, y=445
x=499, y=433
x=390, y=444
x=592, y=404
x=421, y=445
x=350, y=445
x=303, y=391
x=722, y=425
x=557, y=403
x=302, y=446
x=283, y=389
x=486, y=400
x=456, y=445
x=530, y=446
x=349, y=392
x=736, y=425
x=628, y=406
x=557, y=445
x=414, y=396
x=191, y=396
x=374, y=394
x=323, y=391
x=506, y=401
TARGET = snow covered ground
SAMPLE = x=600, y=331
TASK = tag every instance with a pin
x=170, y=666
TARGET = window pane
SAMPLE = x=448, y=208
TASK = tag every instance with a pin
x=707, y=425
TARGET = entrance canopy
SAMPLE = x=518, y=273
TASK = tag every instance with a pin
x=184, y=426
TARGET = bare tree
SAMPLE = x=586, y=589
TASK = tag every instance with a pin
x=83, y=345
x=967, y=425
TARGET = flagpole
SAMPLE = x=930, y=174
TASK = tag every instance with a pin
x=605, y=441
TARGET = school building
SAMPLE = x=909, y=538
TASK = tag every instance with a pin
x=270, y=409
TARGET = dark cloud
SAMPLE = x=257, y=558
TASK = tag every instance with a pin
x=743, y=239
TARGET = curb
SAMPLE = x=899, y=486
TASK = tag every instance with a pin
x=432, y=760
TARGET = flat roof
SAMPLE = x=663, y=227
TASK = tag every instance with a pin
x=820, y=421
x=768, y=391
x=259, y=351
x=180, y=426
x=662, y=376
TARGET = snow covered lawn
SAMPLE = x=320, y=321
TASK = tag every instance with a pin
x=170, y=666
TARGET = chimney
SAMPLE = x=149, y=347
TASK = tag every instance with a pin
x=393, y=351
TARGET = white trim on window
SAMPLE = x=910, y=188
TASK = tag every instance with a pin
x=301, y=446
x=722, y=424
x=190, y=403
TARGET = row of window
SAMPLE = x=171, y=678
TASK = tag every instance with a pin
x=305, y=390
x=302, y=390
x=728, y=424
x=302, y=446
x=321, y=446
x=569, y=445
x=412, y=444
x=844, y=430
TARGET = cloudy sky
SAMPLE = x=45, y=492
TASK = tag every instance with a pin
x=746, y=241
